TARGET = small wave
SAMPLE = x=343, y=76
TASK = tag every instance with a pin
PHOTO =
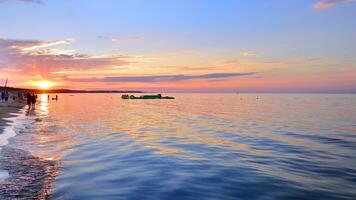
x=22, y=175
x=8, y=132
x=30, y=177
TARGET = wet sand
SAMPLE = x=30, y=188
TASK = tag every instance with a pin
x=9, y=109
x=30, y=177
x=24, y=176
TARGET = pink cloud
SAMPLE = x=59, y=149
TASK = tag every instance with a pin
x=40, y=57
x=329, y=3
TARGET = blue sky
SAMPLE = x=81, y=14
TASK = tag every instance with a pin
x=211, y=30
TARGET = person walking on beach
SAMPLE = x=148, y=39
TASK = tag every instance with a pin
x=7, y=95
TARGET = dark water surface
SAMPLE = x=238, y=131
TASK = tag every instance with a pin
x=198, y=146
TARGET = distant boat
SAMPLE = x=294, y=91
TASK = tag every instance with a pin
x=158, y=96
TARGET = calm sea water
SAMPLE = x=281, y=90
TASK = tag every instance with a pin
x=198, y=146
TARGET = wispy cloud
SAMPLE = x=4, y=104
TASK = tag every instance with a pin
x=46, y=44
x=132, y=39
x=269, y=63
x=32, y=1
x=250, y=53
x=329, y=3
x=45, y=57
x=166, y=78
x=27, y=1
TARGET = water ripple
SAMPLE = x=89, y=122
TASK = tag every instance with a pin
x=198, y=146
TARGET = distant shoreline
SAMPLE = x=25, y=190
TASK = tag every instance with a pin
x=57, y=91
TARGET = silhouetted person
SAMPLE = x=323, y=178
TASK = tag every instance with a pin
x=48, y=98
x=33, y=100
x=56, y=97
x=2, y=96
x=28, y=98
x=6, y=96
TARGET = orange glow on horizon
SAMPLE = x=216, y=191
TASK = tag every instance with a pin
x=44, y=84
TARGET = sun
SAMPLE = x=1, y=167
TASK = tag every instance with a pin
x=44, y=85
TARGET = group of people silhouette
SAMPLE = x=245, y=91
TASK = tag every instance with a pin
x=5, y=96
x=31, y=99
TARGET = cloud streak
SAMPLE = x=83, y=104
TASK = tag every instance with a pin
x=27, y=1
x=32, y=1
x=127, y=40
x=165, y=78
x=43, y=57
x=250, y=53
x=329, y=3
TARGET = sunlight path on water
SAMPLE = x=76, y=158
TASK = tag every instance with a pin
x=236, y=145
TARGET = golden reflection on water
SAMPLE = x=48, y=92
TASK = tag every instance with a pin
x=206, y=119
x=274, y=134
x=51, y=146
x=46, y=141
x=43, y=104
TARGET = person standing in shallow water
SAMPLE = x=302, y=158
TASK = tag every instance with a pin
x=33, y=100
x=28, y=98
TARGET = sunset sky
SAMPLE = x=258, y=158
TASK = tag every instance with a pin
x=180, y=45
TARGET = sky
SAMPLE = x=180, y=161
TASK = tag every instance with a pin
x=180, y=45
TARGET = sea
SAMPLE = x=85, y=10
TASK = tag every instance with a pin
x=197, y=146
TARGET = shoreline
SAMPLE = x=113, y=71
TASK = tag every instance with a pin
x=8, y=110
x=22, y=175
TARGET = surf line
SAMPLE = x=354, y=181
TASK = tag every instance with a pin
x=9, y=132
